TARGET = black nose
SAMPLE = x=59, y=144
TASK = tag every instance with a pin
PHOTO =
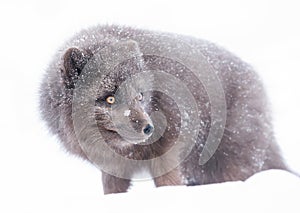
x=148, y=129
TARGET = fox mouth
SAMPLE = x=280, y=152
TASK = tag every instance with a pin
x=131, y=137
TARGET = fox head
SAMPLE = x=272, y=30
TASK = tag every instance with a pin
x=122, y=108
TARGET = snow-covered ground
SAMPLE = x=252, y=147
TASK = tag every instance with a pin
x=37, y=176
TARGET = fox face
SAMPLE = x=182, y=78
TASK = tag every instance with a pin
x=121, y=109
x=131, y=121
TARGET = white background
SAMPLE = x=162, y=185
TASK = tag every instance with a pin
x=35, y=173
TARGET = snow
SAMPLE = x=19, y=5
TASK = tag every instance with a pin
x=256, y=194
x=37, y=176
x=127, y=113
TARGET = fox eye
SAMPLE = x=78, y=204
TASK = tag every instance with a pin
x=140, y=96
x=110, y=99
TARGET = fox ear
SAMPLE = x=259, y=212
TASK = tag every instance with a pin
x=74, y=61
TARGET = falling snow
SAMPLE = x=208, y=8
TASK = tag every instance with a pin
x=126, y=113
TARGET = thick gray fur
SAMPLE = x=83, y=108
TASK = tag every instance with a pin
x=247, y=146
